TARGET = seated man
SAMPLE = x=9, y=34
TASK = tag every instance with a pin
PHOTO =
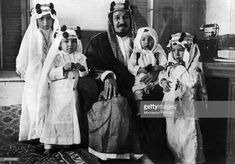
x=107, y=57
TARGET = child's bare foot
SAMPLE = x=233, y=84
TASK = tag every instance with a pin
x=48, y=152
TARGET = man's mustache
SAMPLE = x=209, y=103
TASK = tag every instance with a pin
x=122, y=25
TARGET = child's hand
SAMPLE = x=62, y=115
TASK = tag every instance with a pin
x=20, y=74
x=158, y=68
x=79, y=67
x=166, y=85
x=68, y=67
x=142, y=70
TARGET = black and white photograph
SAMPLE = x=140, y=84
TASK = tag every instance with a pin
x=117, y=82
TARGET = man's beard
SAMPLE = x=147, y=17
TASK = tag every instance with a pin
x=122, y=34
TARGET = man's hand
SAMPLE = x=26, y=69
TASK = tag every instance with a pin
x=110, y=88
x=166, y=85
x=150, y=77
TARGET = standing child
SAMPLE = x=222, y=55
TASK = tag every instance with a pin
x=58, y=118
x=29, y=62
x=147, y=55
x=183, y=85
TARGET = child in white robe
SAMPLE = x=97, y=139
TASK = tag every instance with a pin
x=58, y=123
x=29, y=62
x=147, y=55
x=183, y=85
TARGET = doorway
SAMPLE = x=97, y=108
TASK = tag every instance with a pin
x=13, y=23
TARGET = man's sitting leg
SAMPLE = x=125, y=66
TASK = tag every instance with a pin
x=88, y=94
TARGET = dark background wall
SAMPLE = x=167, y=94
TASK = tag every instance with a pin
x=172, y=16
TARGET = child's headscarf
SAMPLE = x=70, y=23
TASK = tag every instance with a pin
x=151, y=32
x=43, y=88
x=31, y=50
x=183, y=39
x=156, y=47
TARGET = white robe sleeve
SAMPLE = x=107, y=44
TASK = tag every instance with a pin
x=163, y=61
x=56, y=72
x=162, y=75
x=186, y=78
x=106, y=73
x=189, y=79
x=23, y=56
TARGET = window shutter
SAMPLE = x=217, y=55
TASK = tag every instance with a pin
x=140, y=12
x=11, y=32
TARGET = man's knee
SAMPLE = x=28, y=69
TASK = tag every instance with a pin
x=88, y=92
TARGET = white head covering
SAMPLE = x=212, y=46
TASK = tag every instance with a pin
x=157, y=48
x=43, y=9
x=43, y=101
x=151, y=32
x=30, y=54
x=119, y=5
x=183, y=39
